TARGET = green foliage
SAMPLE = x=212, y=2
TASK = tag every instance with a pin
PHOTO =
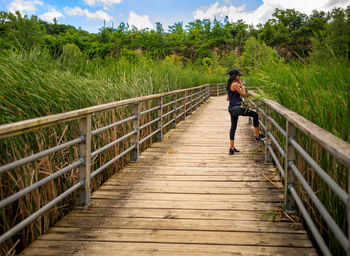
x=318, y=90
x=207, y=62
x=290, y=31
x=129, y=55
x=230, y=59
x=338, y=32
x=256, y=53
x=52, y=68
x=36, y=84
x=71, y=51
x=20, y=32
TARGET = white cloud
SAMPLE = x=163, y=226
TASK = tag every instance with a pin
x=77, y=11
x=50, y=15
x=106, y=3
x=24, y=6
x=139, y=21
x=264, y=11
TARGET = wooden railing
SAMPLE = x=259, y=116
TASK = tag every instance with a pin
x=284, y=157
x=218, y=89
x=167, y=110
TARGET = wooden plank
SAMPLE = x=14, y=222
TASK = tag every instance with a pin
x=228, y=178
x=203, y=205
x=203, y=184
x=188, y=197
x=173, y=213
x=227, y=164
x=198, y=169
x=191, y=190
x=219, y=160
x=39, y=247
x=178, y=236
x=181, y=224
x=190, y=172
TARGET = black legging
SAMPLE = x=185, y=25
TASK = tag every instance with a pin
x=241, y=111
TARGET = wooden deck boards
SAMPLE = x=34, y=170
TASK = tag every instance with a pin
x=186, y=196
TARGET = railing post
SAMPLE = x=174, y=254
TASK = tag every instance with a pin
x=203, y=95
x=184, y=108
x=175, y=111
x=195, y=96
x=268, y=126
x=203, y=90
x=160, y=122
x=136, y=137
x=217, y=89
x=200, y=97
x=84, y=193
x=289, y=204
x=191, y=99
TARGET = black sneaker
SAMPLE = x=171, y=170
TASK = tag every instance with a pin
x=234, y=152
x=261, y=137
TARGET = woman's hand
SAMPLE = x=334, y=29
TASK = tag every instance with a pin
x=240, y=83
x=237, y=87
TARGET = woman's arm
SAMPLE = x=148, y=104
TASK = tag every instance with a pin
x=241, y=85
x=237, y=88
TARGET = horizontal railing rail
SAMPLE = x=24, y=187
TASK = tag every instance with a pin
x=338, y=148
x=288, y=169
x=180, y=103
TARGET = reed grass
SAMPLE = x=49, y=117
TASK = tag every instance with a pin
x=34, y=84
x=319, y=92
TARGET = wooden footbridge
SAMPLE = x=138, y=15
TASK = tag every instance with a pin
x=183, y=195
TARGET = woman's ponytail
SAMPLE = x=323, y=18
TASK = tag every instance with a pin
x=229, y=82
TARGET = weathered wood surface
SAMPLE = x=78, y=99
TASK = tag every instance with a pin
x=186, y=196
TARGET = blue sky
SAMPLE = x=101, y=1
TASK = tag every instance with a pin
x=90, y=14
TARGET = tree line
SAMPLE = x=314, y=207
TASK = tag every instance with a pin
x=202, y=42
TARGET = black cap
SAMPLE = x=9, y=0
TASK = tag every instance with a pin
x=234, y=72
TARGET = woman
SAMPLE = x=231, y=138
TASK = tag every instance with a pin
x=236, y=91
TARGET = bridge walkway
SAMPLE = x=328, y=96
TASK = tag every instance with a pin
x=186, y=196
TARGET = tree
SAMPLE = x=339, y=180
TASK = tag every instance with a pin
x=338, y=32
x=21, y=32
x=256, y=53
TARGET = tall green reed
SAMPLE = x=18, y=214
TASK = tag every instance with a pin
x=34, y=84
x=319, y=92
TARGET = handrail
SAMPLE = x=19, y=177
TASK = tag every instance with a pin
x=21, y=127
x=169, y=113
x=334, y=145
x=290, y=173
x=189, y=99
x=338, y=148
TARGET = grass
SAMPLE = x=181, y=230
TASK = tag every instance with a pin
x=319, y=92
x=34, y=84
